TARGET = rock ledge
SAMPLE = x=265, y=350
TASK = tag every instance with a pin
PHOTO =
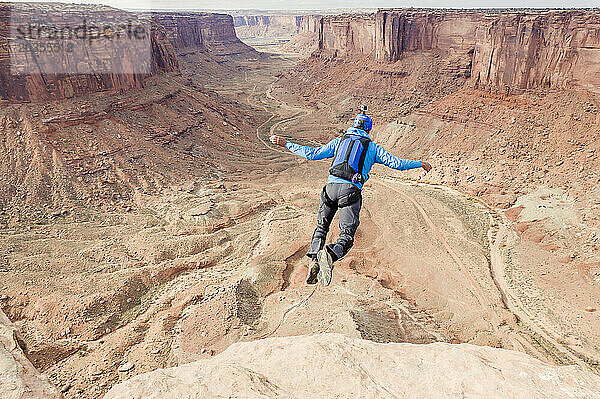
x=336, y=366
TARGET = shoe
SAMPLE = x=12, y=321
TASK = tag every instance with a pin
x=313, y=272
x=325, y=267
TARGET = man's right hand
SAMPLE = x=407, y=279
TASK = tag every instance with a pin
x=278, y=140
x=427, y=166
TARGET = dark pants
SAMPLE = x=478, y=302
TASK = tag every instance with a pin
x=348, y=199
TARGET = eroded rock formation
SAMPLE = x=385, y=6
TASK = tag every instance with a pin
x=509, y=50
x=345, y=35
x=101, y=51
x=266, y=25
x=310, y=23
x=214, y=33
x=336, y=366
x=386, y=35
x=549, y=50
x=56, y=51
x=399, y=32
x=307, y=39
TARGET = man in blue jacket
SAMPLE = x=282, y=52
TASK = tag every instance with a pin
x=354, y=155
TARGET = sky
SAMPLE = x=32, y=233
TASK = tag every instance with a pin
x=337, y=4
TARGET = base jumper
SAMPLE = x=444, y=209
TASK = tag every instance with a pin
x=354, y=154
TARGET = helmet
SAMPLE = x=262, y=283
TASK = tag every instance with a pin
x=363, y=122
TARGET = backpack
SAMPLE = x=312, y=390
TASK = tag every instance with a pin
x=349, y=158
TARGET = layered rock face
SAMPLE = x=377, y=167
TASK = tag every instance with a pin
x=528, y=50
x=398, y=32
x=336, y=366
x=307, y=39
x=551, y=50
x=56, y=51
x=266, y=25
x=310, y=23
x=18, y=378
x=213, y=33
x=347, y=35
x=386, y=35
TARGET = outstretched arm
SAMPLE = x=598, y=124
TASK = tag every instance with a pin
x=391, y=161
x=310, y=153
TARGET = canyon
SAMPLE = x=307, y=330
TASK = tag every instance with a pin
x=50, y=162
x=519, y=138
x=152, y=239
x=53, y=77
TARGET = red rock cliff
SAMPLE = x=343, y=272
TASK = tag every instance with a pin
x=524, y=50
x=343, y=35
x=546, y=50
x=70, y=66
x=310, y=23
x=213, y=33
x=247, y=26
x=398, y=32
x=388, y=33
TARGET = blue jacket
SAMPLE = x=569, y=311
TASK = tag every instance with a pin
x=375, y=154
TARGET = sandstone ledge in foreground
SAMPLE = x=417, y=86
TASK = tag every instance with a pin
x=337, y=366
x=18, y=378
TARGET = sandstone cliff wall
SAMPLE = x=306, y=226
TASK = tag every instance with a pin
x=509, y=50
x=213, y=33
x=310, y=23
x=69, y=66
x=347, y=35
x=386, y=35
x=247, y=26
x=398, y=32
x=307, y=39
x=549, y=50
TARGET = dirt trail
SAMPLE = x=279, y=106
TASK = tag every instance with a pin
x=513, y=302
x=484, y=302
x=497, y=236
